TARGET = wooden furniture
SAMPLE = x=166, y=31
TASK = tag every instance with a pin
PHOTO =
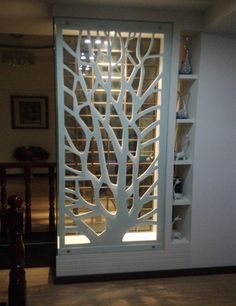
x=26, y=169
x=13, y=217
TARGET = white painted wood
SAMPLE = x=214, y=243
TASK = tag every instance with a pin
x=71, y=199
x=185, y=121
x=183, y=162
x=187, y=85
x=213, y=212
x=182, y=201
x=188, y=76
x=173, y=255
x=120, y=262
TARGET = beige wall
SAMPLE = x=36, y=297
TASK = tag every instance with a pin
x=32, y=80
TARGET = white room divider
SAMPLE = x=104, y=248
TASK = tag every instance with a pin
x=112, y=84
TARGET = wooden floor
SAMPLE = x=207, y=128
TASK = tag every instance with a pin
x=209, y=290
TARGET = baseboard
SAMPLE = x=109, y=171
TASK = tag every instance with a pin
x=142, y=275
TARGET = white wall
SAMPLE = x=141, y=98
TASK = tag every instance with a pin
x=32, y=80
x=213, y=240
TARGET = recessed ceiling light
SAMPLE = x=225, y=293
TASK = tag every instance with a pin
x=87, y=41
x=98, y=41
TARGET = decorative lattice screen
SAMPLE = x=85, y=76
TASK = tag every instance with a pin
x=113, y=96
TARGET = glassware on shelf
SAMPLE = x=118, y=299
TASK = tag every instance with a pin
x=186, y=67
x=182, y=105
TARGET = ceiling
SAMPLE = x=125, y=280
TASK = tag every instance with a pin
x=158, y=4
x=35, y=17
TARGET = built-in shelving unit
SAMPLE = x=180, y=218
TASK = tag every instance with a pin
x=183, y=157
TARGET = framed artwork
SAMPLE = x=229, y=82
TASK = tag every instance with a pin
x=29, y=112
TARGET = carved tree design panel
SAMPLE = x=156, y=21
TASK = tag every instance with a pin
x=112, y=114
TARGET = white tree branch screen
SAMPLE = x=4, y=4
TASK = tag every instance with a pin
x=112, y=87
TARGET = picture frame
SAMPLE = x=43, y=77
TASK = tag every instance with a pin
x=29, y=112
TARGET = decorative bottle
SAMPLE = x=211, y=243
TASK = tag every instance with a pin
x=186, y=67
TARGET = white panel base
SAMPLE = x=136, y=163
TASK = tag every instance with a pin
x=122, y=262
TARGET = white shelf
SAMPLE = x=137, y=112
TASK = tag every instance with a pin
x=188, y=76
x=180, y=241
x=185, y=121
x=182, y=201
x=183, y=162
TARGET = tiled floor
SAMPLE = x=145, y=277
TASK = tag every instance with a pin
x=209, y=290
x=214, y=290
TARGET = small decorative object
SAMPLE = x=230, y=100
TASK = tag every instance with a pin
x=177, y=188
x=186, y=67
x=182, y=155
x=30, y=154
x=182, y=103
x=29, y=112
x=176, y=234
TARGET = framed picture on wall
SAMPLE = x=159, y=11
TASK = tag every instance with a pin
x=29, y=112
